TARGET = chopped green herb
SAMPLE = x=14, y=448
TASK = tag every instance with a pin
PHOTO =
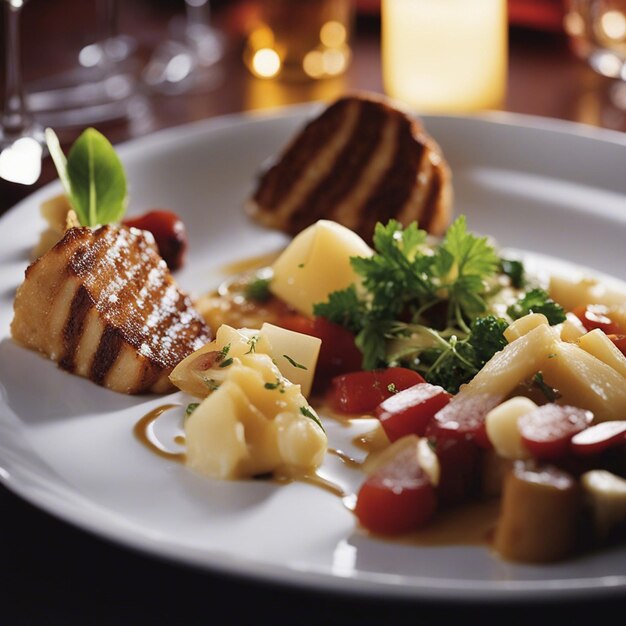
x=211, y=383
x=223, y=352
x=551, y=394
x=391, y=388
x=294, y=363
x=514, y=270
x=226, y=363
x=307, y=412
x=538, y=301
x=252, y=343
x=258, y=289
x=279, y=384
x=191, y=407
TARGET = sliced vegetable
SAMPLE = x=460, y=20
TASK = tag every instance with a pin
x=398, y=496
x=599, y=437
x=362, y=392
x=546, y=431
x=409, y=411
x=539, y=515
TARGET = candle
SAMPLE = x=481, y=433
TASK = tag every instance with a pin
x=445, y=56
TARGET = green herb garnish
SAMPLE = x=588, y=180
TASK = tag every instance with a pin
x=551, y=394
x=211, y=383
x=294, y=363
x=258, y=289
x=279, y=384
x=191, y=407
x=307, y=412
x=514, y=270
x=421, y=306
x=538, y=301
x=93, y=177
x=252, y=343
x=226, y=363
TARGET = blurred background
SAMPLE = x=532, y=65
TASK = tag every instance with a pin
x=132, y=67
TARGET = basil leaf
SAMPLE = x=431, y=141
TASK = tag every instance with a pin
x=97, y=180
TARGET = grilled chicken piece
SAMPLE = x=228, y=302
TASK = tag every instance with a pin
x=360, y=162
x=103, y=305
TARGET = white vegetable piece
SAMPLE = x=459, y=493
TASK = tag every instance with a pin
x=294, y=353
x=256, y=422
x=597, y=343
x=524, y=325
x=585, y=381
x=502, y=427
x=572, y=329
x=572, y=292
x=512, y=365
x=316, y=263
x=606, y=494
x=428, y=461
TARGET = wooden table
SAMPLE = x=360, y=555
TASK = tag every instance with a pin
x=56, y=574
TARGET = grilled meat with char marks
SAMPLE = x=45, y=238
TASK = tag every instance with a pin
x=103, y=305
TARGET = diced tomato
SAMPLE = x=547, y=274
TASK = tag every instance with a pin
x=169, y=234
x=458, y=464
x=464, y=418
x=547, y=430
x=338, y=353
x=398, y=497
x=409, y=411
x=619, y=341
x=362, y=392
x=599, y=437
x=597, y=316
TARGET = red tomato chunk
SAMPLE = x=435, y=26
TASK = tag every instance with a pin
x=547, y=430
x=409, y=411
x=169, y=234
x=597, y=316
x=397, y=498
x=362, y=392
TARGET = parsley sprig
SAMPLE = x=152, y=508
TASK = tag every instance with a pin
x=426, y=306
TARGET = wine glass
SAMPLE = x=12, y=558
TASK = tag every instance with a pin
x=187, y=61
x=98, y=89
x=597, y=31
x=21, y=137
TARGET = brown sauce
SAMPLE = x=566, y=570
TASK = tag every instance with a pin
x=252, y=263
x=143, y=433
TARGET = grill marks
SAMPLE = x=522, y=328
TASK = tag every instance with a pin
x=124, y=323
x=80, y=306
x=377, y=164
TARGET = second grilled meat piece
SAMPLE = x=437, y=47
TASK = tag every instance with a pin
x=360, y=162
x=103, y=305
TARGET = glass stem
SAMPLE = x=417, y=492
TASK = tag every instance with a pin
x=15, y=117
x=198, y=13
x=109, y=10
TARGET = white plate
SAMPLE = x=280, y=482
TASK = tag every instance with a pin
x=67, y=446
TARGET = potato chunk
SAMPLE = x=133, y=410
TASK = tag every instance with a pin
x=316, y=263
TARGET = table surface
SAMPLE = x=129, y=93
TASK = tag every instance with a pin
x=57, y=574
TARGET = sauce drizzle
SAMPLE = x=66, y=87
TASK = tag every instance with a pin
x=144, y=433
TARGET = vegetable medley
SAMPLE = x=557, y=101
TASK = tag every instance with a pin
x=484, y=385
